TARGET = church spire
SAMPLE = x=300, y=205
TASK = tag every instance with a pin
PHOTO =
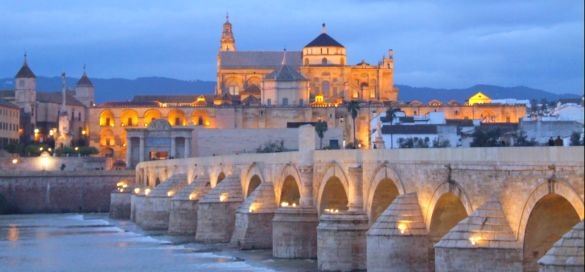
x=227, y=42
x=283, y=57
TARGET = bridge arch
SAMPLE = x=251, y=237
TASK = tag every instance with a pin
x=288, y=187
x=552, y=209
x=333, y=189
x=559, y=187
x=384, y=187
x=443, y=189
x=252, y=179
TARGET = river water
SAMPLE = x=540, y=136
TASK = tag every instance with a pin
x=94, y=242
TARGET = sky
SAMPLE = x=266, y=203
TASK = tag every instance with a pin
x=440, y=44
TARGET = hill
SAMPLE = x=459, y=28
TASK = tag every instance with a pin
x=120, y=89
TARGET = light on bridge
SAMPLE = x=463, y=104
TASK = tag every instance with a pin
x=284, y=204
x=193, y=196
x=146, y=191
x=223, y=197
x=402, y=227
x=170, y=193
x=137, y=190
x=475, y=239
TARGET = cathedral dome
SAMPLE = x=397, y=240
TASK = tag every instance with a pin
x=324, y=40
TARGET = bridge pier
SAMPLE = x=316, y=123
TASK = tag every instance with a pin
x=341, y=241
x=120, y=205
x=294, y=233
x=399, y=238
x=137, y=207
x=254, y=219
x=156, y=207
x=216, y=212
x=183, y=215
x=483, y=240
x=566, y=254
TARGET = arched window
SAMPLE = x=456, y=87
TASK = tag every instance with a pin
x=306, y=61
x=324, y=61
x=325, y=88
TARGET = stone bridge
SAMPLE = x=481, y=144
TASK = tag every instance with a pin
x=443, y=209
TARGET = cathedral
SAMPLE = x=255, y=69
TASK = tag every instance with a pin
x=260, y=94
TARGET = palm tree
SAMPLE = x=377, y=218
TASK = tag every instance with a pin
x=320, y=128
x=391, y=113
x=353, y=107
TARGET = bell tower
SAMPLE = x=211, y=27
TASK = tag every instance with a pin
x=25, y=90
x=227, y=43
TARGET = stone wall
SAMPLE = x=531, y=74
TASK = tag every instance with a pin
x=67, y=191
x=209, y=142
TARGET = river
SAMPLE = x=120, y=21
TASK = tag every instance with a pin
x=94, y=242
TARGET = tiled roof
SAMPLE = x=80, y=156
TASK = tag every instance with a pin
x=410, y=129
x=404, y=212
x=7, y=104
x=165, y=98
x=25, y=72
x=460, y=122
x=486, y=227
x=56, y=98
x=7, y=93
x=285, y=73
x=84, y=81
x=258, y=59
x=323, y=40
x=568, y=251
x=128, y=104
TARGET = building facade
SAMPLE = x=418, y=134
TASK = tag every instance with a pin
x=40, y=111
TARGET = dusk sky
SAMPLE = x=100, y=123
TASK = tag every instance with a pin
x=441, y=44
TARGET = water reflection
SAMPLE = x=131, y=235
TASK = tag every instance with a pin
x=13, y=233
x=66, y=242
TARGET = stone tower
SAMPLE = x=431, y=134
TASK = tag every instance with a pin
x=85, y=91
x=25, y=91
x=227, y=43
x=64, y=138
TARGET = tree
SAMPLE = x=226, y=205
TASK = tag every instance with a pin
x=391, y=114
x=575, y=139
x=485, y=137
x=320, y=128
x=353, y=108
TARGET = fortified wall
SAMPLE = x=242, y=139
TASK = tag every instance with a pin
x=59, y=191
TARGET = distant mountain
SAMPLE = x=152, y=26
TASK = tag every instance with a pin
x=407, y=93
x=119, y=89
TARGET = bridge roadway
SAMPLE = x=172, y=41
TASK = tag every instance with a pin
x=438, y=209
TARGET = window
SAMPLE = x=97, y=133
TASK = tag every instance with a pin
x=79, y=116
x=269, y=102
x=129, y=122
x=324, y=61
x=285, y=101
x=21, y=83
